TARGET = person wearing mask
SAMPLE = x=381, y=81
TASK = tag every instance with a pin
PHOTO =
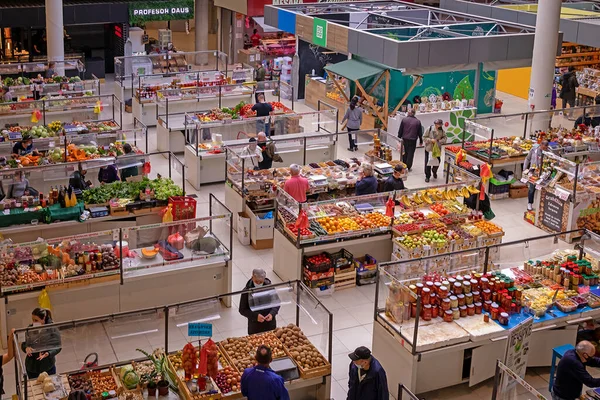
x=410, y=130
x=433, y=135
x=268, y=150
x=77, y=181
x=255, y=38
x=252, y=155
x=128, y=171
x=10, y=353
x=263, y=111
x=108, y=174
x=533, y=161
x=261, y=382
x=24, y=147
x=37, y=362
x=353, y=119
x=263, y=320
x=297, y=185
x=19, y=187
x=367, y=183
x=568, y=90
x=366, y=378
x=395, y=181
x=571, y=373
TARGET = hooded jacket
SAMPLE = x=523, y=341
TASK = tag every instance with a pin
x=569, y=86
x=373, y=386
x=253, y=325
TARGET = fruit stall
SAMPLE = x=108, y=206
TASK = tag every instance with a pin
x=47, y=214
x=67, y=110
x=27, y=89
x=207, y=140
x=165, y=349
x=174, y=131
x=458, y=309
x=190, y=91
x=120, y=269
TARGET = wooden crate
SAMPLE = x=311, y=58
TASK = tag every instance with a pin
x=345, y=280
x=313, y=372
x=35, y=392
x=104, y=374
x=185, y=393
x=116, y=371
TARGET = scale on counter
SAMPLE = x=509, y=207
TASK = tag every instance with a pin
x=319, y=181
x=98, y=212
x=285, y=368
x=384, y=168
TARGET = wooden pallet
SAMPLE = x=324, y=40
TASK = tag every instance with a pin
x=345, y=280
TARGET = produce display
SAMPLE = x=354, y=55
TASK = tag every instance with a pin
x=241, y=110
x=58, y=128
x=162, y=189
x=54, y=103
x=503, y=147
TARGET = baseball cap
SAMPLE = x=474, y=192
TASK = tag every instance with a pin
x=361, y=353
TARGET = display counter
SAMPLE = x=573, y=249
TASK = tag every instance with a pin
x=506, y=283
x=72, y=65
x=120, y=269
x=166, y=335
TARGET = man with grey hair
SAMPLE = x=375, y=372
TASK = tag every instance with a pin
x=268, y=150
x=533, y=164
x=297, y=185
x=367, y=183
x=262, y=319
x=410, y=130
x=571, y=373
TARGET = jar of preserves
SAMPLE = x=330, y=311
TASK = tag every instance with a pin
x=466, y=287
x=486, y=294
x=495, y=312
x=437, y=286
x=463, y=311
x=453, y=302
x=476, y=296
x=419, y=286
x=455, y=313
x=448, y=316
x=470, y=310
x=469, y=298
x=425, y=295
x=427, y=313
x=413, y=288
x=457, y=288
x=413, y=310
x=429, y=284
x=503, y=318
x=434, y=312
x=474, y=284
x=433, y=299
x=443, y=292
x=478, y=308
x=486, y=317
x=461, y=300
x=445, y=304
x=485, y=283
x=487, y=305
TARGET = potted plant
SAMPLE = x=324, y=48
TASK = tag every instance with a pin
x=152, y=388
x=150, y=381
x=168, y=379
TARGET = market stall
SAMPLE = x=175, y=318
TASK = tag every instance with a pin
x=208, y=139
x=26, y=89
x=174, y=130
x=190, y=91
x=180, y=333
x=457, y=310
x=120, y=269
x=72, y=65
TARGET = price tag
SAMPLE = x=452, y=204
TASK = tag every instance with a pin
x=562, y=195
x=199, y=329
x=426, y=247
x=538, y=187
x=125, y=233
x=524, y=180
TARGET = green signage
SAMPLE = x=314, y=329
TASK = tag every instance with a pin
x=143, y=11
x=320, y=32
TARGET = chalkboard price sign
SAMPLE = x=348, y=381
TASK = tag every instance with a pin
x=553, y=210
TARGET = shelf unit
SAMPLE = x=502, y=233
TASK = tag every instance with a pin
x=589, y=86
x=572, y=54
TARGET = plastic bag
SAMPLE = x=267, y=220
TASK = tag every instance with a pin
x=44, y=300
x=436, y=151
x=209, y=359
x=389, y=207
x=35, y=116
x=433, y=162
x=302, y=221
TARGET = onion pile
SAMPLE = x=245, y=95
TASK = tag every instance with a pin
x=228, y=380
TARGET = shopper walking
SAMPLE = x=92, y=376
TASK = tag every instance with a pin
x=47, y=339
x=434, y=138
x=297, y=185
x=269, y=152
x=367, y=183
x=366, y=379
x=568, y=90
x=533, y=161
x=264, y=319
x=252, y=155
x=263, y=111
x=353, y=119
x=571, y=373
x=410, y=130
x=261, y=382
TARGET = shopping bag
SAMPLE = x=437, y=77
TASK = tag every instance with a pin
x=243, y=229
x=436, y=151
x=433, y=162
x=44, y=300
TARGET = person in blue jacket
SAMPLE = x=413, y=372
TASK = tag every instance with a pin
x=367, y=184
x=261, y=382
x=367, y=379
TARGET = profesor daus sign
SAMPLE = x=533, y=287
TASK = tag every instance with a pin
x=143, y=11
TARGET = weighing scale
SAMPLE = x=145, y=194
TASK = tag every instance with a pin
x=384, y=169
x=285, y=368
x=319, y=183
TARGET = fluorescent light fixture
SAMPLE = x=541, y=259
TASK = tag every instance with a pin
x=317, y=148
x=134, y=334
x=207, y=319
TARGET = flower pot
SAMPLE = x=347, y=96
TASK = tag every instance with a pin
x=163, y=388
x=151, y=391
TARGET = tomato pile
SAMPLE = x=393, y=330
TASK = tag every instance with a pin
x=453, y=149
x=466, y=165
x=439, y=208
x=319, y=259
x=303, y=231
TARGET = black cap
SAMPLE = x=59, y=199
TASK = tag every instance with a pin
x=398, y=168
x=361, y=353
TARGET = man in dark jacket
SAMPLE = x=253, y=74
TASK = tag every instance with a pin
x=261, y=382
x=262, y=319
x=410, y=130
x=568, y=90
x=367, y=379
x=571, y=374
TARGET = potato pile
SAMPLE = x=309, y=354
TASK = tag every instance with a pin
x=308, y=357
x=270, y=340
x=238, y=348
x=291, y=336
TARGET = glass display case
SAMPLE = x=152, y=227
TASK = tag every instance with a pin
x=25, y=89
x=139, y=340
x=73, y=66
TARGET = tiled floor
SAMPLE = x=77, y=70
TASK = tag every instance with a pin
x=352, y=308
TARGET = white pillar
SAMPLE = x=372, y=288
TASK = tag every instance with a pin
x=201, y=19
x=54, y=34
x=544, y=58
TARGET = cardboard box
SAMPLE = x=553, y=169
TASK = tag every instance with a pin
x=261, y=230
x=517, y=193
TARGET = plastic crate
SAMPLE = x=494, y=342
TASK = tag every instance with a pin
x=184, y=207
x=324, y=290
x=321, y=267
x=366, y=263
x=499, y=187
x=342, y=259
x=315, y=276
x=318, y=283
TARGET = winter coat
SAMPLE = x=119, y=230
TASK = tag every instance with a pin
x=253, y=325
x=431, y=133
x=374, y=385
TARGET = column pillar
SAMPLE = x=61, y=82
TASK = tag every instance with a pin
x=201, y=19
x=544, y=58
x=54, y=34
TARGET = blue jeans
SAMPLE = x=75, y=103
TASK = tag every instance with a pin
x=261, y=126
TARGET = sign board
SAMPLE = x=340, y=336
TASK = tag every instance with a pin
x=552, y=212
x=517, y=350
x=200, y=329
x=143, y=11
x=320, y=32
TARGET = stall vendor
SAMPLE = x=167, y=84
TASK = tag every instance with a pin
x=571, y=373
x=297, y=185
x=395, y=181
x=37, y=362
x=20, y=187
x=128, y=172
x=367, y=183
x=108, y=174
x=24, y=147
x=255, y=38
x=262, y=320
x=77, y=181
x=261, y=382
